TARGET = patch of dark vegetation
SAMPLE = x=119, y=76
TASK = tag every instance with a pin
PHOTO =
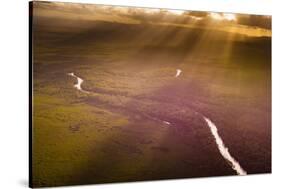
x=128, y=148
x=74, y=128
x=159, y=148
x=145, y=141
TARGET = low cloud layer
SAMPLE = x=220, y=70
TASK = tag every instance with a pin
x=149, y=15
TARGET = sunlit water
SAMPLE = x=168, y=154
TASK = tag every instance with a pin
x=178, y=73
x=224, y=150
x=167, y=123
x=79, y=83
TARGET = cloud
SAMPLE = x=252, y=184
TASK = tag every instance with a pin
x=151, y=15
x=255, y=21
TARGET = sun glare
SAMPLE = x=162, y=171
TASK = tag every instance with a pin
x=196, y=18
x=224, y=16
x=151, y=11
x=176, y=12
x=230, y=17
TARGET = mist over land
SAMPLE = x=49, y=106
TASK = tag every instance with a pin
x=140, y=119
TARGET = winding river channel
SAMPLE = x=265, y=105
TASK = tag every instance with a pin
x=224, y=150
x=79, y=83
x=213, y=128
x=178, y=73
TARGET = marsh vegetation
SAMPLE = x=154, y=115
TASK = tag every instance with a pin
x=118, y=130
